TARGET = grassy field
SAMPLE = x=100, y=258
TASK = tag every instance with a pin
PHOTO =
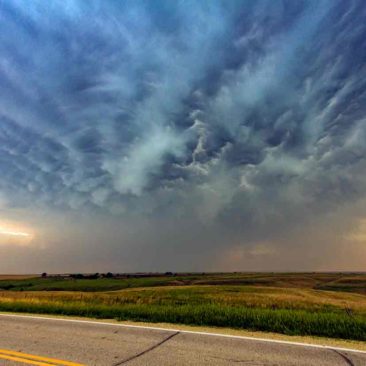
x=294, y=304
x=321, y=281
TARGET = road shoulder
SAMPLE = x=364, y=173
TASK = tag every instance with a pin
x=225, y=332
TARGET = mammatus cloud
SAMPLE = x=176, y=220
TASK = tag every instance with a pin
x=197, y=134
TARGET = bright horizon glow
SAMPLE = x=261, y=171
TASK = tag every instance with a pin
x=13, y=233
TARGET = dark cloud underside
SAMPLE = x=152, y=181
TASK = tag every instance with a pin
x=196, y=129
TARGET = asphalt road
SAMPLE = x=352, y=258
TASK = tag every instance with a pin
x=45, y=342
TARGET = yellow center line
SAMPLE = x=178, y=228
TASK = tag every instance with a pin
x=34, y=359
x=24, y=360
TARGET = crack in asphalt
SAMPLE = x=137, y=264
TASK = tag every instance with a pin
x=147, y=350
x=348, y=360
x=246, y=362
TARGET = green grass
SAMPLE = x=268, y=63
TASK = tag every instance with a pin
x=293, y=304
x=100, y=284
x=291, y=322
x=322, y=281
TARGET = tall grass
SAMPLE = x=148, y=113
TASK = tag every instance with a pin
x=291, y=322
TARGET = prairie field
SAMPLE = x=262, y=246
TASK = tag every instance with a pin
x=16, y=277
x=317, y=304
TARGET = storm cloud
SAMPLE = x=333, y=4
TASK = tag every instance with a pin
x=183, y=135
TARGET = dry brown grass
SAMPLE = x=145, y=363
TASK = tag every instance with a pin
x=11, y=277
x=248, y=296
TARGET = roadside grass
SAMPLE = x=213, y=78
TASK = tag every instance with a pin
x=289, y=322
x=291, y=311
x=316, y=304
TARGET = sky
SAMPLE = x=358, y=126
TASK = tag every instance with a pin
x=182, y=135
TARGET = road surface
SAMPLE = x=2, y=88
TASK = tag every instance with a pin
x=45, y=341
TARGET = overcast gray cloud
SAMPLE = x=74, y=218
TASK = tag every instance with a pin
x=185, y=135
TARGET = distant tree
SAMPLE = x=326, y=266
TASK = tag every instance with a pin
x=109, y=275
x=168, y=273
x=44, y=275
